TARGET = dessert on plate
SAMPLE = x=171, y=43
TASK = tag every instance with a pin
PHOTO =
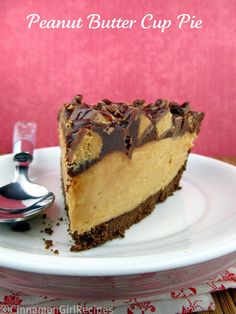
x=119, y=160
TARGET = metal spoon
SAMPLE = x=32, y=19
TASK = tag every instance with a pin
x=22, y=199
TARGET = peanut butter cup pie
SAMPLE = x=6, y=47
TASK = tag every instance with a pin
x=119, y=160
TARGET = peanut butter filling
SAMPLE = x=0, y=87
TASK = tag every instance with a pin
x=117, y=184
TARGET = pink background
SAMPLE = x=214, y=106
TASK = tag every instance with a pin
x=42, y=68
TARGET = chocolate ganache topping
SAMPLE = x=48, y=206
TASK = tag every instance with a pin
x=122, y=127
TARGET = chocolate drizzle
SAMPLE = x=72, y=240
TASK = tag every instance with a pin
x=118, y=125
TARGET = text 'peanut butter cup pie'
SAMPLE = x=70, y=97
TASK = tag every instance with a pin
x=118, y=161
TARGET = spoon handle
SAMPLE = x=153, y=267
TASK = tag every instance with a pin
x=24, y=141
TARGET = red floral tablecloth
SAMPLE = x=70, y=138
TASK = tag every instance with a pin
x=186, y=300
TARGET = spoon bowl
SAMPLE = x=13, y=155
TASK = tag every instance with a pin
x=22, y=199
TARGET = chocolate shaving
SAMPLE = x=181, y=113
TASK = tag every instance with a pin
x=118, y=125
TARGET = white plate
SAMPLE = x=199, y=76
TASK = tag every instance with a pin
x=195, y=225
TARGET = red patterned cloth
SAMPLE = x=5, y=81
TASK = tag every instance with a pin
x=183, y=301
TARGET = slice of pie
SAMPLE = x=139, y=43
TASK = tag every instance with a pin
x=118, y=161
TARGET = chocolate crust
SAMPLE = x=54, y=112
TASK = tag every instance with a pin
x=116, y=227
